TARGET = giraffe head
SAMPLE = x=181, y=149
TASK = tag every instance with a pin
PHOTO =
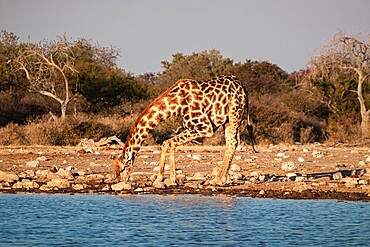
x=123, y=166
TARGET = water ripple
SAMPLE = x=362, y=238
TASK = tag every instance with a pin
x=186, y=220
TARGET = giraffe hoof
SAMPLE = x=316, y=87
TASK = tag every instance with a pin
x=159, y=184
x=169, y=183
x=216, y=182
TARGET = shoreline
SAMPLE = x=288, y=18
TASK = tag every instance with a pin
x=315, y=171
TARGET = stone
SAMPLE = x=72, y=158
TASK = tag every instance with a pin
x=64, y=173
x=8, y=177
x=291, y=175
x=255, y=174
x=262, y=178
x=317, y=154
x=289, y=166
x=59, y=183
x=33, y=163
x=78, y=186
x=121, y=186
x=26, y=184
x=238, y=157
x=300, y=159
x=337, y=176
x=198, y=176
x=180, y=179
x=42, y=158
x=235, y=168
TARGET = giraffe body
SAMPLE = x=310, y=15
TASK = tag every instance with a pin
x=204, y=107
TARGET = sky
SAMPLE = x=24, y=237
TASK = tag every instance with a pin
x=283, y=32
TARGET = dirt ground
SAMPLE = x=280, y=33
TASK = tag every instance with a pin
x=262, y=174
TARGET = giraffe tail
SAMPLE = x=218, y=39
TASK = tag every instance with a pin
x=249, y=125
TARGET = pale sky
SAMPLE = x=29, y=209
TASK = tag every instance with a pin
x=283, y=32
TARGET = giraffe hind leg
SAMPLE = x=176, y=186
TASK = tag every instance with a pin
x=169, y=146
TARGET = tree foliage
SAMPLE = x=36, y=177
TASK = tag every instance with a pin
x=343, y=68
x=197, y=66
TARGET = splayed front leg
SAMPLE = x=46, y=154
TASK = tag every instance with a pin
x=231, y=143
x=158, y=183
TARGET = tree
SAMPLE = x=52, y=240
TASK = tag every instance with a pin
x=49, y=67
x=197, y=66
x=100, y=81
x=349, y=57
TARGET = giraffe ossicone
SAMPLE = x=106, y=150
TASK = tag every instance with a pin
x=204, y=107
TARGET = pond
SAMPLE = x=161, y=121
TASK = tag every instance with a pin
x=179, y=220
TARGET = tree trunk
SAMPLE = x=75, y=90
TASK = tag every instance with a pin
x=63, y=109
x=365, y=125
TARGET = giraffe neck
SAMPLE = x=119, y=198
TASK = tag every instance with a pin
x=155, y=113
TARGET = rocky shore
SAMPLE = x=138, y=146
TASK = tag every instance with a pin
x=276, y=171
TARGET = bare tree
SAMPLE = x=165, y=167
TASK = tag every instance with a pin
x=48, y=67
x=351, y=55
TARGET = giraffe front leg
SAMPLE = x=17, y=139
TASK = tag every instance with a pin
x=158, y=183
x=231, y=144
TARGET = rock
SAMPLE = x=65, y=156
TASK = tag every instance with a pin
x=282, y=155
x=367, y=160
x=262, y=178
x=42, y=158
x=121, y=186
x=237, y=176
x=33, y=163
x=255, y=174
x=337, y=176
x=180, y=179
x=289, y=166
x=300, y=179
x=71, y=168
x=317, y=154
x=197, y=157
x=59, y=183
x=198, y=176
x=238, y=157
x=262, y=192
x=64, y=173
x=300, y=159
x=235, y=168
x=8, y=177
x=26, y=184
x=291, y=176
x=78, y=186
x=44, y=187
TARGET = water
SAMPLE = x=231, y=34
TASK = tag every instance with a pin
x=181, y=220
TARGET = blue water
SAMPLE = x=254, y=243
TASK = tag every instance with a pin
x=181, y=220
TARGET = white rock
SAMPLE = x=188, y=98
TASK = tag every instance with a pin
x=235, y=168
x=305, y=150
x=121, y=186
x=300, y=159
x=33, y=163
x=58, y=183
x=8, y=177
x=337, y=176
x=255, y=174
x=368, y=159
x=291, y=175
x=317, y=154
x=289, y=166
x=42, y=158
x=197, y=157
x=238, y=157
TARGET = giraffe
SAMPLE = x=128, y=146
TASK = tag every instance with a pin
x=204, y=107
